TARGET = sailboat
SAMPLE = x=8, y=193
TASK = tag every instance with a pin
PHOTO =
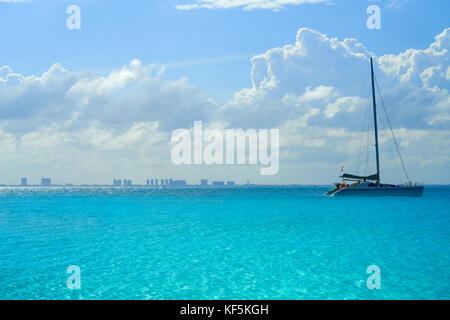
x=356, y=185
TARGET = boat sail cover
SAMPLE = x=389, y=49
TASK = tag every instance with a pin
x=373, y=177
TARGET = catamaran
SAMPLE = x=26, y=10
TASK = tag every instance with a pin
x=356, y=185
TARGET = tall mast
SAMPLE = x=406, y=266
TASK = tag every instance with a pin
x=375, y=121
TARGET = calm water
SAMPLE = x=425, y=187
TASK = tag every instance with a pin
x=236, y=243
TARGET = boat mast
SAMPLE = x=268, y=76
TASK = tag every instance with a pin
x=375, y=121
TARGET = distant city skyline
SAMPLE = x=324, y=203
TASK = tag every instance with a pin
x=162, y=182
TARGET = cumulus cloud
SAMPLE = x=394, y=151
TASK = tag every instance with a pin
x=427, y=67
x=301, y=80
x=326, y=76
x=132, y=94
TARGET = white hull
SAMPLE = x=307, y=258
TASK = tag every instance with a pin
x=380, y=191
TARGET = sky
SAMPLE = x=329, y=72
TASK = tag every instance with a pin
x=92, y=104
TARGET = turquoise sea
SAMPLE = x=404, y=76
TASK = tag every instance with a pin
x=229, y=243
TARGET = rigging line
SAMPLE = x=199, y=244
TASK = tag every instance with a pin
x=368, y=150
x=363, y=143
x=365, y=150
x=392, y=131
x=390, y=148
x=363, y=89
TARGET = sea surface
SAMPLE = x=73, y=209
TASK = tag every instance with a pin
x=223, y=243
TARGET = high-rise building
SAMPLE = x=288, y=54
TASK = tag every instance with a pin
x=152, y=182
x=156, y=182
x=148, y=182
x=127, y=183
x=204, y=182
x=166, y=182
x=178, y=183
x=23, y=182
x=117, y=182
x=170, y=181
x=162, y=182
x=46, y=182
x=218, y=183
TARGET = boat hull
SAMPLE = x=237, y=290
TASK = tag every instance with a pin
x=398, y=191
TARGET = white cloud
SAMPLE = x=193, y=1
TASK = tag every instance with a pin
x=245, y=4
x=426, y=67
x=274, y=5
x=132, y=94
x=327, y=73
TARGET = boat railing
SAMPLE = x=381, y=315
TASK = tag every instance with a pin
x=413, y=184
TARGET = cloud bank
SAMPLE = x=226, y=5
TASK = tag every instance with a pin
x=86, y=127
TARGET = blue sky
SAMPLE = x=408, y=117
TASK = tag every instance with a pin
x=90, y=105
x=113, y=32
